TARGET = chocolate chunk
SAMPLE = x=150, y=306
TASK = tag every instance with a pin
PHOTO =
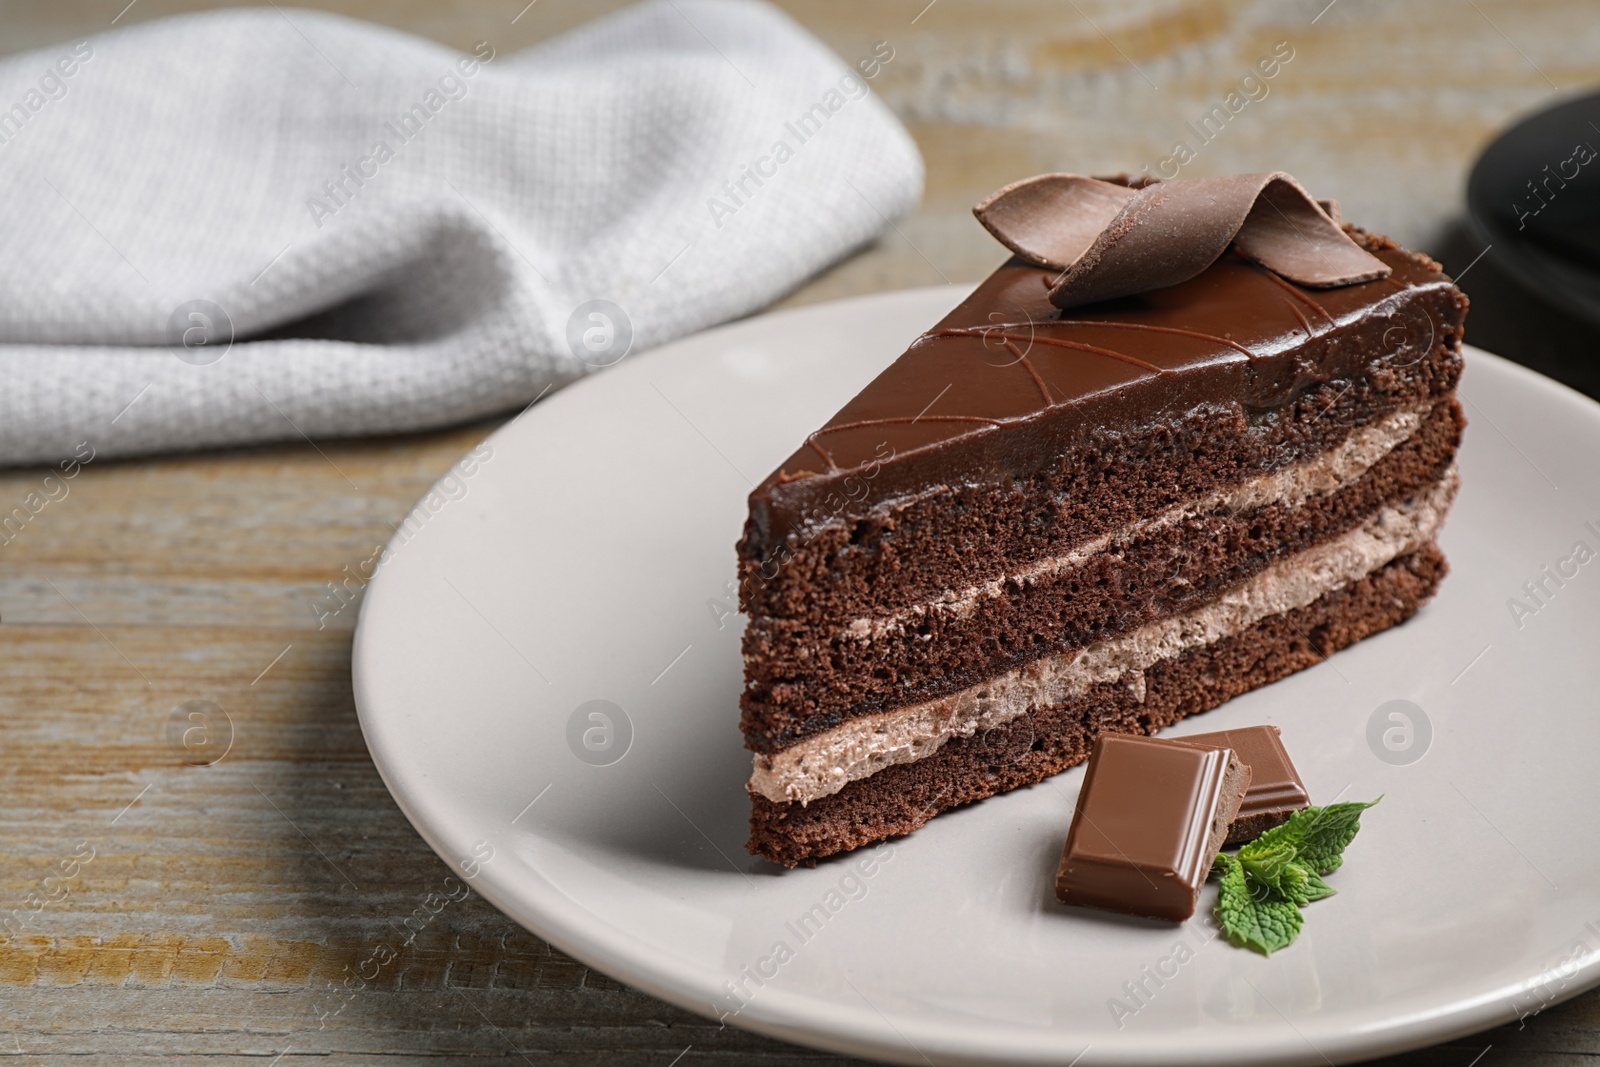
x=1151, y=816
x=1276, y=791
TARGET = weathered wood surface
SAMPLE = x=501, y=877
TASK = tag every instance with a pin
x=215, y=910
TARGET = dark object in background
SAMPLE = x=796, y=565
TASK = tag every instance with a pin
x=1529, y=255
x=1535, y=195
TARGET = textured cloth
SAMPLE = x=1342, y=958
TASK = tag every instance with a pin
x=395, y=235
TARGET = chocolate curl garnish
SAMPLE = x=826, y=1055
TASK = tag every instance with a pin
x=1108, y=240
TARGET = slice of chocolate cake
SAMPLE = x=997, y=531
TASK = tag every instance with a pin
x=1191, y=438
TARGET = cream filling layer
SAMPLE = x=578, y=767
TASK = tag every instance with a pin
x=826, y=763
x=1326, y=473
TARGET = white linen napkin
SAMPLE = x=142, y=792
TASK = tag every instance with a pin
x=259, y=224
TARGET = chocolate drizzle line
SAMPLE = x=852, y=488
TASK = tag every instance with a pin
x=1097, y=350
x=1298, y=295
x=898, y=420
x=1022, y=358
x=1297, y=313
x=1242, y=350
x=986, y=332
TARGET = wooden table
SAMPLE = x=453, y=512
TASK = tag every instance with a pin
x=218, y=906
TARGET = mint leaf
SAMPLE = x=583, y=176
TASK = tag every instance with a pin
x=1316, y=888
x=1274, y=867
x=1266, y=884
x=1277, y=876
x=1318, y=835
x=1252, y=914
x=1220, y=865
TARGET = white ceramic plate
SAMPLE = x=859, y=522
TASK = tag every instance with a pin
x=587, y=555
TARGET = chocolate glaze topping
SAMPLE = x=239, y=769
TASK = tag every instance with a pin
x=1007, y=380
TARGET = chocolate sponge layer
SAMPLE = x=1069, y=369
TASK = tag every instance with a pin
x=902, y=797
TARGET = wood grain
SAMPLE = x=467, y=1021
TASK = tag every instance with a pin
x=223, y=908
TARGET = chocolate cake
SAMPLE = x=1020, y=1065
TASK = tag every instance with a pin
x=1192, y=437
